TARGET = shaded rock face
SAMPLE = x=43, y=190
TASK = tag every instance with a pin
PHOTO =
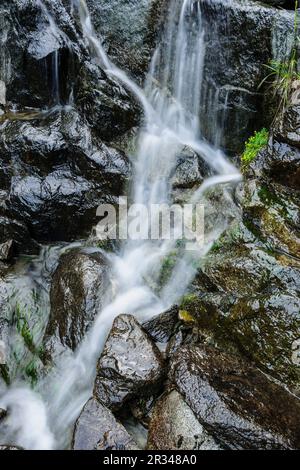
x=240, y=38
x=130, y=365
x=54, y=163
x=97, y=429
x=252, y=302
x=162, y=327
x=288, y=4
x=2, y=414
x=79, y=286
x=235, y=402
x=128, y=30
x=174, y=426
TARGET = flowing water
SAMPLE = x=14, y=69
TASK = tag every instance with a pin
x=171, y=100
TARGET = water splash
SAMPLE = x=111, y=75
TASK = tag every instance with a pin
x=171, y=101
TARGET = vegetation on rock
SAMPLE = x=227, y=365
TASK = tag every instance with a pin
x=252, y=147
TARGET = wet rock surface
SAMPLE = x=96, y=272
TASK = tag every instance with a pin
x=97, y=429
x=174, y=426
x=2, y=414
x=240, y=406
x=251, y=302
x=162, y=327
x=130, y=364
x=79, y=286
x=129, y=30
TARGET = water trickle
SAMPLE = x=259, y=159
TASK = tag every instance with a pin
x=57, y=34
x=171, y=101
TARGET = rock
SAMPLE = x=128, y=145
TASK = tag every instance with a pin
x=59, y=103
x=130, y=365
x=108, y=109
x=42, y=64
x=55, y=170
x=12, y=230
x=2, y=414
x=174, y=344
x=257, y=311
x=279, y=163
x=7, y=250
x=10, y=447
x=266, y=329
x=234, y=67
x=163, y=326
x=289, y=4
x=188, y=174
x=141, y=409
x=79, y=286
x=128, y=29
x=97, y=429
x=236, y=403
x=2, y=93
x=174, y=426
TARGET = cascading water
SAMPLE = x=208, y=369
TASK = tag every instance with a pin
x=171, y=101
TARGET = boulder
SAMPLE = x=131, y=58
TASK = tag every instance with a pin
x=237, y=404
x=97, y=429
x=174, y=426
x=130, y=365
x=256, y=311
x=79, y=286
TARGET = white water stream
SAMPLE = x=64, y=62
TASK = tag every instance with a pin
x=171, y=101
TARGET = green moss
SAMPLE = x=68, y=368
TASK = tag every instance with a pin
x=168, y=264
x=252, y=147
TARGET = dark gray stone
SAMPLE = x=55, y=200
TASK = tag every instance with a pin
x=130, y=365
x=97, y=429
x=79, y=285
x=163, y=326
x=174, y=426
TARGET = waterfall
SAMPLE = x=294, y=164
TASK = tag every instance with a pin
x=171, y=100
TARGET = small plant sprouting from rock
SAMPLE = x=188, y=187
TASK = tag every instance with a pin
x=252, y=147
